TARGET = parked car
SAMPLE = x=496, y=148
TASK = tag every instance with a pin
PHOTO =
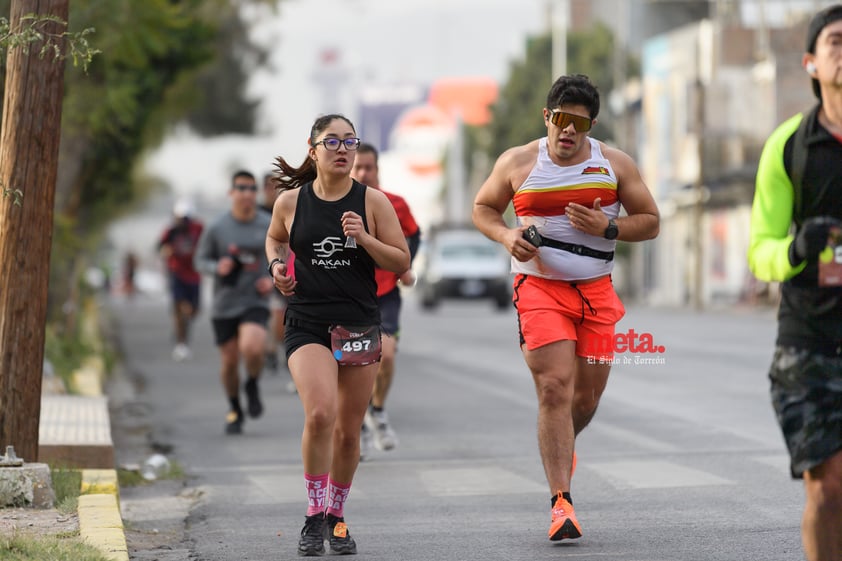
x=463, y=264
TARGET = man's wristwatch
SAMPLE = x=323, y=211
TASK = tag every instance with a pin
x=611, y=232
x=272, y=264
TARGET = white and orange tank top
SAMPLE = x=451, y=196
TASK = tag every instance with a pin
x=541, y=201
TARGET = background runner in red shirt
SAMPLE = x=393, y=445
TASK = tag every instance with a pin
x=177, y=246
x=376, y=424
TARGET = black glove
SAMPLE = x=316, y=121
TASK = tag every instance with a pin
x=231, y=278
x=811, y=239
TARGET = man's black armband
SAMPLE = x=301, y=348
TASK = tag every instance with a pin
x=413, y=241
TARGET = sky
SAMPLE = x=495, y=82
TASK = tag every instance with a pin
x=377, y=41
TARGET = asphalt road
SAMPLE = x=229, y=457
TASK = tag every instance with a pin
x=683, y=461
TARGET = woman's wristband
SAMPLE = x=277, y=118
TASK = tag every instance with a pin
x=272, y=264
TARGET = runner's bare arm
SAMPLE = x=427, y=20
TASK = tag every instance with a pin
x=496, y=194
x=277, y=236
x=277, y=240
x=385, y=242
x=643, y=219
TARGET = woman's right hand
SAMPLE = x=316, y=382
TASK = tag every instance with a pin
x=283, y=281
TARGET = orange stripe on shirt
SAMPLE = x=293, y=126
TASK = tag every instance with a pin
x=552, y=202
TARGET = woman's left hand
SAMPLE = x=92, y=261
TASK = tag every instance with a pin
x=352, y=225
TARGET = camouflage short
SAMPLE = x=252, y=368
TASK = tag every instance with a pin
x=807, y=397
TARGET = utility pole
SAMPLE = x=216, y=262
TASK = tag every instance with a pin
x=456, y=189
x=620, y=74
x=560, y=18
x=29, y=142
x=707, y=51
x=698, y=205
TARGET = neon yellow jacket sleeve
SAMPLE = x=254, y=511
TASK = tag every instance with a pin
x=771, y=211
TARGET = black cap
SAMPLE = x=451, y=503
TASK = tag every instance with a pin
x=821, y=20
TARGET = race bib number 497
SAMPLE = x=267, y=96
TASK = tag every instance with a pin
x=355, y=346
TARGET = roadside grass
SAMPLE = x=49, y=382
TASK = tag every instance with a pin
x=67, y=485
x=65, y=353
x=62, y=546
x=133, y=478
x=176, y=471
x=129, y=478
x=52, y=548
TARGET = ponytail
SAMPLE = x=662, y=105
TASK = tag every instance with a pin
x=289, y=177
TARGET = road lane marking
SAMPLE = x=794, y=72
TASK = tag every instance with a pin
x=447, y=482
x=483, y=386
x=276, y=488
x=634, y=438
x=462, y=482
x=778, y=461
x=654, y=474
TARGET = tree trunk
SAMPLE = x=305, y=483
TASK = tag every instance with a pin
x=29, y=143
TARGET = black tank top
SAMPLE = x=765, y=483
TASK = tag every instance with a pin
x=335, y=284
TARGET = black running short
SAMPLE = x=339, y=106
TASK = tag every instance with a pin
x=225, y=329
x=390, y=312
x=298, y=333
x=807, y=397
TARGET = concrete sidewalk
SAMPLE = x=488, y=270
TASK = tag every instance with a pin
x=75, y=432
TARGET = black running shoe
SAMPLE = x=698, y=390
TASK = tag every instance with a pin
x=234, y=422
x=341, y=542
x=255, y=407
x=312, y=541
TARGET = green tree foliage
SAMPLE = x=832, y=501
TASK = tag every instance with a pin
x=222, y=106
x=517, y=113
x=161, y=63
x=516, y=117
x=34, y=29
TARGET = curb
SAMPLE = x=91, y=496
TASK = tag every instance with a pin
x=100, y=482
x=100, y=521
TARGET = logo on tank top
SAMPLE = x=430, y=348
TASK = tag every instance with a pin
x=324, y=252
x=599, y=170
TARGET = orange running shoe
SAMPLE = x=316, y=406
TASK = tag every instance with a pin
x=564, y=524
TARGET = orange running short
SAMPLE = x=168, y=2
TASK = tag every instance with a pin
x=553, y=310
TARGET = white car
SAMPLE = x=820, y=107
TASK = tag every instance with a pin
x=464, y=264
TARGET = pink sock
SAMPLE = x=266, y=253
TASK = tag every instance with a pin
x=316, y=492
x=337, y=495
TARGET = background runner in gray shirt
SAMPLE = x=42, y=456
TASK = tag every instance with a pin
x=232, y=249
x=244, y=242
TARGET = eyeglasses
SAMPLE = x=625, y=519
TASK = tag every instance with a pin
x=333, y=144
x=245, y=187
x=563, y=120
